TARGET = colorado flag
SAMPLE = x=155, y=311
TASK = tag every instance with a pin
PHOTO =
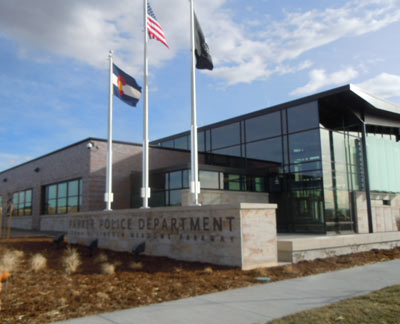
x=125, y=87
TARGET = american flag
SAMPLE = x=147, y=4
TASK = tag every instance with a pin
x=153, y=27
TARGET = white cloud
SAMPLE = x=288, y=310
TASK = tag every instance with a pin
x=383, y=85
x=242, y=52
x=320, y=79
x=284, y=69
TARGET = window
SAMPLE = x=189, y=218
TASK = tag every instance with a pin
x=264, y=126
x=175, y=181
x=182, y=143
x=234, y=182
x=304, y=147
x=22, y=202
x=303, y=117
x=266, y=150
x=168, y=144
x=209, y=179
x=224, y=136
x=231, y=151
x=256, y=184
x=63, y=198
x=201, y=141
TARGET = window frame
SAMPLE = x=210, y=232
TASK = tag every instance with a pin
x=58, y=205
x=22, y=208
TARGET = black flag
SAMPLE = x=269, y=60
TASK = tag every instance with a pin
x=202, y=52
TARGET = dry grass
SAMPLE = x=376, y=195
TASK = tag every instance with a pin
x=291, y=269
x=260, y=272
x=71, y=260
x=101, y=258
x=102, y=295
x=11, y=260
x=136, y=265
x=38, y=262
x=108, y=268
x=208, y=270
x=382, y=306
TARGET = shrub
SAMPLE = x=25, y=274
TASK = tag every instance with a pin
x=108, y=268
x=38, y=262
x=71, y=260
x=11, y=260
x=101, y=258
x=136, y=265
x=208, y=270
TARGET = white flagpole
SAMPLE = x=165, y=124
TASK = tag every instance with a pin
x=194, y=184
x=108, y=196
x=145, y=190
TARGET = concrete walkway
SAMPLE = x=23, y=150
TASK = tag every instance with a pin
x=261, y=303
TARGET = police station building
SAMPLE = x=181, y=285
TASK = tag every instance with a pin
x=330, y=161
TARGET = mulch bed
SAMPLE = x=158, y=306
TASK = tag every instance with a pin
x=51, y=295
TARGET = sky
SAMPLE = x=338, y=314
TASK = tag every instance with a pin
x=54, y=63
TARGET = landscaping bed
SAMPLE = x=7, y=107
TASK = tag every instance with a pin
x=49, y=291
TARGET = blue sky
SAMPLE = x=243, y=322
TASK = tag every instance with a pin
x=54, y=68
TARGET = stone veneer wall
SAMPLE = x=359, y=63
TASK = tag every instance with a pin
x=385, y=218
x=22, y=222
x=222, y=197
x=241, y=234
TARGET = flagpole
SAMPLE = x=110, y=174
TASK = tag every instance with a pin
x=108, y=196
x=145, y=190
x=194, y=184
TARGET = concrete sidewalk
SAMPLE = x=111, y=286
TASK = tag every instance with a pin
x=260, y=303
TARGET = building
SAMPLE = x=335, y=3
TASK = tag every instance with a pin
x=330, y=161
x=72, y=179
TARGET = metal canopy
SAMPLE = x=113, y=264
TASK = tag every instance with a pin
x=353, y=103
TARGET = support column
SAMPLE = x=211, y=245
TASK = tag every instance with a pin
x=366, y=175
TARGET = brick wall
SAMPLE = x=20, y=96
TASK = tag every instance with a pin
x=77, y=161
x=66, y=164
x=127, y=158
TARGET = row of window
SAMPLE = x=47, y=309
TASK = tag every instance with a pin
x=59, y=198
x=265, y=126
x=178, y=180
x=215, y=180
x=63, y=198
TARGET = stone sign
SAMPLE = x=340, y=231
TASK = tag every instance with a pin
x=241, y=235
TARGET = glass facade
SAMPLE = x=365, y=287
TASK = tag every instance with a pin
x=310, y=156
x=63, y=198
x=383, y=164
x=343, y=174
x=175, y=181
x=284, y=145
x=22, y=202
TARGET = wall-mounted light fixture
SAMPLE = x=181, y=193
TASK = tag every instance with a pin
x=5, y=180
x=37, y=169
x=91, y=145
